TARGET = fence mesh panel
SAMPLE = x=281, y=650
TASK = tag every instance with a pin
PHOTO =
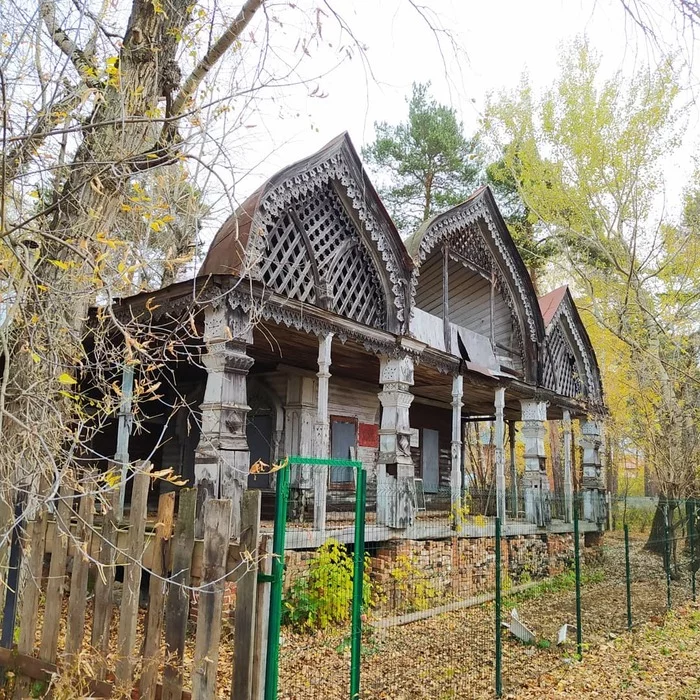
x=430, y=604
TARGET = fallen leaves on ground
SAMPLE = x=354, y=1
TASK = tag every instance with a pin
x=452, y=655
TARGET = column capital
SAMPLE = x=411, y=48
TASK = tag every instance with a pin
x=533, y=410
x=397, y=370
x=223, y=324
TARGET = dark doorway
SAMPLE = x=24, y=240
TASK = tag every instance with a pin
x=430, y=460
x=259, y=433
x=343, y=445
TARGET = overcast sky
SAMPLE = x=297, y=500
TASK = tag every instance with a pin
x=497, y=40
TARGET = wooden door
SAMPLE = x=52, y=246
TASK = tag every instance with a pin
x=259, y=434
x=430, y=460
x=343, y=446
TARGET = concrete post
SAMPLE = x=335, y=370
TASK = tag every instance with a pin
x=322, y=431
x=456, y=451
x=568, y=480
x=500, y=456
x=593, y=477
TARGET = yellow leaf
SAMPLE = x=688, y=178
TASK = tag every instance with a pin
x=112, y=478
x=59, y=264
x=36, y=358
x=65, y=378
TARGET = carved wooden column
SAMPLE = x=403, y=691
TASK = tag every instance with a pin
x=535, y=480
x=222, y=458
x=299, y=419
x=322, y=431
x=396, y=496
x=568, y=480
x=513, y=469
x=124, y=425
x=500, y=456
x=456, y=453
x=593, y=478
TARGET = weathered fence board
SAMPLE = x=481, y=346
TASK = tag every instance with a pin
x=48, y=648
x=32, y=584
x=31, y=590
x=129, y=610
x=77, y=600
x=246, y=594
x=104, y=584
x=217, y=528
x=156, y=596
x=178, y=597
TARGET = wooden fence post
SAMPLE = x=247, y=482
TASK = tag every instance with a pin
x=156, y=596
x=32, y=583
x=262, y=617
x=217, y=531
x=104, y=584
x=178, y=598
x=246, y=594
x=129, y=610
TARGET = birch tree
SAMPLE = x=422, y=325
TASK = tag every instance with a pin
x=588, y=166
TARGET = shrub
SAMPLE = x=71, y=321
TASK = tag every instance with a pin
x=415, y=592
x=324, y=596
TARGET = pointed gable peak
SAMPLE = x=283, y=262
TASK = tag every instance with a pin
x=549, y=303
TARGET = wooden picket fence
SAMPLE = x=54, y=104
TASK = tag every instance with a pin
x=48, y=630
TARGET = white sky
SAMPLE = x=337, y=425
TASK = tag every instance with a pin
x=498, y=41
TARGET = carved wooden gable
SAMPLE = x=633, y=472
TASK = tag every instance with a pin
x=570, y=367
x=324, y=238
x=314, y=253
x=474, y=238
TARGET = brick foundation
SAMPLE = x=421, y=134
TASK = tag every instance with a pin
x=417, y=574
x=414, y=574
x=229, y=602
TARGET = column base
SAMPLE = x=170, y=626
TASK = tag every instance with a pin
x=594, y=506
x=537, y=503
x=396, y=499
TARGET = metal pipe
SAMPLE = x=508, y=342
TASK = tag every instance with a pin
x=275, y=622
x=499, y=651
x=357, y=584
x=577, y=565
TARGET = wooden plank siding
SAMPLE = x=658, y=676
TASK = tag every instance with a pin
x=469, y=303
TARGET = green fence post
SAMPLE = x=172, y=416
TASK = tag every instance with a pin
x=577, y=569
x=667, y=554
x=357, y=581
x=691, y=533
x=275, y=622
x=499, y=651
x=628, y=577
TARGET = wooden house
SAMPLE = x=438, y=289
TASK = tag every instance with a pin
x=319, y=332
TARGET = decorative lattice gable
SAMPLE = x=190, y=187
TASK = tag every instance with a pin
x=570, y=368
x=315, y=253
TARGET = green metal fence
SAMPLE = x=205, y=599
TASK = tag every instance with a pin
x=356, y=580
x=463, y=605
